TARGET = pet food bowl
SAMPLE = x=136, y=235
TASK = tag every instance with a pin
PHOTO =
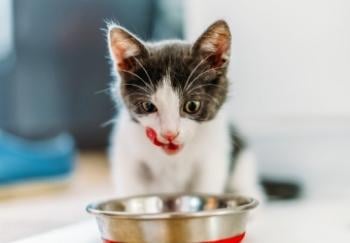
x=173, y=218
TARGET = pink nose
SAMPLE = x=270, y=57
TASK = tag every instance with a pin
x=170, y=135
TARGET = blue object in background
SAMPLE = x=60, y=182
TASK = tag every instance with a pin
x=24, y=160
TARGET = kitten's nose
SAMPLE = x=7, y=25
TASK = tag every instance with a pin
x=170, y=135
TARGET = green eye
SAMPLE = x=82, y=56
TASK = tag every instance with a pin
x=192, y=106
x=148, y=107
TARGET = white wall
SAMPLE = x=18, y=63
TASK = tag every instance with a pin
x=6, y=38
x=289, y=57
x=290, y=70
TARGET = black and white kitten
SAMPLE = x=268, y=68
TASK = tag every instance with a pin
x=173, y=133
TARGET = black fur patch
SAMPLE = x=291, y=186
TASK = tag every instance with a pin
x=209, y=85
x=145, y=172
x=134, y=119
x=238, y=145
x=197, y=71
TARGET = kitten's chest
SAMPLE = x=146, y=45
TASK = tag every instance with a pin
x=170, y=173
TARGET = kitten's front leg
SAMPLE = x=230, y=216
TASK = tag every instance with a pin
x=244, y=179
x=125, y=177
x=210, y=175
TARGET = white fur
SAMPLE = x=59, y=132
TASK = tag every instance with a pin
x=244, y=179
x=201, y=166
x=167, y=102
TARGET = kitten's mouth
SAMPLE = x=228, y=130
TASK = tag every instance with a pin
x=169, y=148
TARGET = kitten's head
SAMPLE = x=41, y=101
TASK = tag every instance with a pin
x=170, y=88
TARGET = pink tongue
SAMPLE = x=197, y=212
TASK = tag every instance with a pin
x=152, y=135
x=172, y=146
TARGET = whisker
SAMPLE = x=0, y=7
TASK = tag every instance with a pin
x=137, y=76
x=144, y=69
x=136, y=86
x=136, y=94
x=195, y=69
x=205, y=85
x=102, y=91
x=201, y=74
x=109, y=122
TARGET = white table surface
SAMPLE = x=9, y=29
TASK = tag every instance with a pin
x=32, y=210
x=294, y=222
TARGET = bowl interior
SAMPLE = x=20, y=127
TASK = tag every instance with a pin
x=173, y=204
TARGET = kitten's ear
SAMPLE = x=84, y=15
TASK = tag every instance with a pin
x=124, y=48
x=214, y=44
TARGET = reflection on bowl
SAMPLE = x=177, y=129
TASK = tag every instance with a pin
x=173, y=218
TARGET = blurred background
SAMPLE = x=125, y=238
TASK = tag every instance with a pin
x=290, y=70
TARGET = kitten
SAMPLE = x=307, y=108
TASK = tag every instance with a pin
x=173, y=133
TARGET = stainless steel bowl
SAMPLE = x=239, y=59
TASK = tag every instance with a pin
x=172, y=218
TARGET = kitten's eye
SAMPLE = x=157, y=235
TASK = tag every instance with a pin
x=148, y=107
x=192, y=106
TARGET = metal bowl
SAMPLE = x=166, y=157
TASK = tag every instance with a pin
x=173, y=218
